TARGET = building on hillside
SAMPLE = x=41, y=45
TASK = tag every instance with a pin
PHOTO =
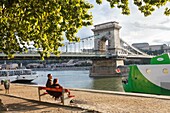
x=167, y=49
x=141, y=46
x=152, y=49
x=34, y=65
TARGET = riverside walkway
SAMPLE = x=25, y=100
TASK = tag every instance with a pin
x=19, y=100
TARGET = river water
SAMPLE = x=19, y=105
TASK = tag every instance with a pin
x=80, y=79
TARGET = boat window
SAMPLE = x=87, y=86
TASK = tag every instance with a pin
x=11, y=73
x=3, y=73
x=148, y=71
x=165, y=71
x=17, y=72
x=34, y=72
x=27, y=72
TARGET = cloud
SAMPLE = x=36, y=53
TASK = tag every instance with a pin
x=85, y=32
x=135, y=28
x=158, y=41
x=165, y=21
x=151, y=26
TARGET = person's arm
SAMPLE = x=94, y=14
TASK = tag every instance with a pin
x=51, y=83
x=58, y=86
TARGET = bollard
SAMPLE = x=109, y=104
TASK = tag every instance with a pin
x=7, y=86
x=2, y=82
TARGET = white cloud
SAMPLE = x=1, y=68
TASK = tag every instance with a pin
x=167, y=21
x=85, y=32
x=152, y=26
x=135, y=28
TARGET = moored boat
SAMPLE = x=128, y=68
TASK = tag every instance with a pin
x=17, y=75
x=152, y=79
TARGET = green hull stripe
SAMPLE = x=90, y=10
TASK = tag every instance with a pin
x=138, y=83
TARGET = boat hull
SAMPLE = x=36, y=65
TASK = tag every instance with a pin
x=26, y=78
x=22, y=81
x=151, y=79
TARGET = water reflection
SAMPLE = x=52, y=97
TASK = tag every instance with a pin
x=81, y=79
x=111, y=84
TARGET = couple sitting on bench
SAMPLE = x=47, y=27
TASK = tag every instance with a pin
x=54, y=84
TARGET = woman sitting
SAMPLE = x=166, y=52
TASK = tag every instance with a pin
x=55, y=84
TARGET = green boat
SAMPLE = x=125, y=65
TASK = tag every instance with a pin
x=151, y=79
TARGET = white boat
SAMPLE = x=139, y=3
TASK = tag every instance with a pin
x=153, y=78
x=18, y=75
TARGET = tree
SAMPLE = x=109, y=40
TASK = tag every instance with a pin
x=46, y=22
x=43, y=22
x=145, y=6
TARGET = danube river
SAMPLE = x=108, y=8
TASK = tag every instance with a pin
x=80, y=79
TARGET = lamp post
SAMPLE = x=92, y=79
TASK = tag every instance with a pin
x=79, y=50
x=74, y=47
x=66, y=47
x=82, y=45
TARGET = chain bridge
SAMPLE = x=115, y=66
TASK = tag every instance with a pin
x=105, y=42
x=105, y=48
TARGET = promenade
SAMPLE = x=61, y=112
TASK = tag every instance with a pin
x=24, y=98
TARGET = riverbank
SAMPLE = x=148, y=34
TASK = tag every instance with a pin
x=20, y=98
x=62, y=68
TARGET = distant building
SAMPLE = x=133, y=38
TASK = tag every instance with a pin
x=157, y=47
x=152, y=49
x=167, y=49
x=34, y=65
x=9, y=66
x=142, y=46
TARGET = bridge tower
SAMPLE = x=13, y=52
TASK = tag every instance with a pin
x=106, y=32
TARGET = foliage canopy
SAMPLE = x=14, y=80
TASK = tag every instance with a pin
x=46, y=22
x=145, y=6
x=43, y=22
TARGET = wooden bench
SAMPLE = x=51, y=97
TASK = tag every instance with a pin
x=65, y=98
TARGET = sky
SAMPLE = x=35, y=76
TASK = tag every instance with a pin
x=136, y=28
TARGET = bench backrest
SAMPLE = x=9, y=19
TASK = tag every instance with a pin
x=51, y=89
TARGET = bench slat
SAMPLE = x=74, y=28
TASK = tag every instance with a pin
x=51, y=89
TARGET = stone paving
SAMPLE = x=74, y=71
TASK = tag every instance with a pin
x=85, y=101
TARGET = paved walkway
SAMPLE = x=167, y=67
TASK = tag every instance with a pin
x=96, y=101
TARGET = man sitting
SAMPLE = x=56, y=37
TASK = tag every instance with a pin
x=49, y=83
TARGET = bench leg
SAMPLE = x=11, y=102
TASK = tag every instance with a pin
x=39, y=94
x=66, y=99
x=62, y=97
